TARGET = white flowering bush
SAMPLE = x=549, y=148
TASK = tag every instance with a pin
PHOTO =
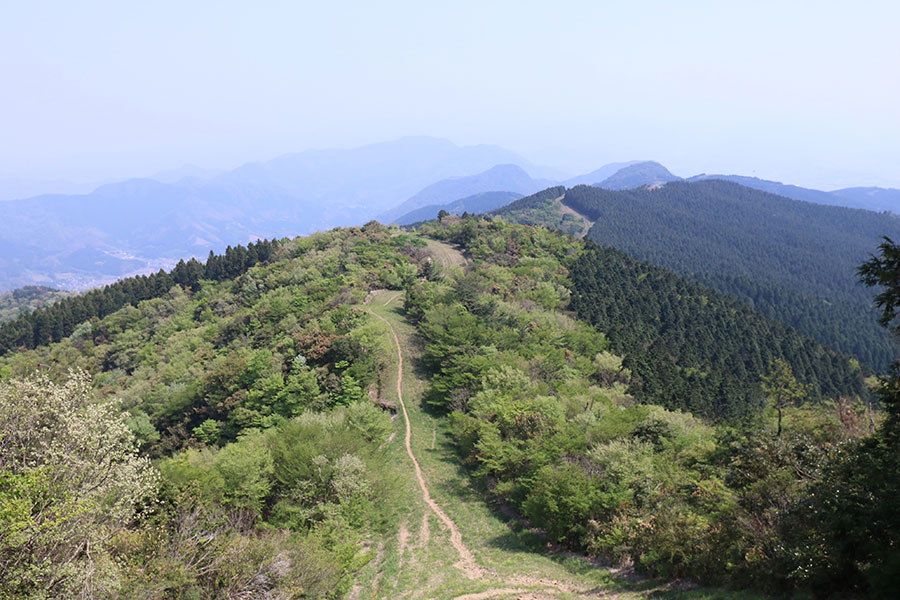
x=70, y=479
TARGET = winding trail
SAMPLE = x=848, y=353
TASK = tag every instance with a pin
x=466, y=562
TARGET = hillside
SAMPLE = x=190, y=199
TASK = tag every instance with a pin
x=475, y=204
x=691, y=348
x=27, y=299
x=254, y=380
x=793, y=261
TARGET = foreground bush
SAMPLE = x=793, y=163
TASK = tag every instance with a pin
x=70, y=478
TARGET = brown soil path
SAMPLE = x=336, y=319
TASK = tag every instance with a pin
x=585, y=222
x=466, y=562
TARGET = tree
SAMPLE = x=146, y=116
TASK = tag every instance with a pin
x=884, y=271
x=70, y=479
x=782, y=388
x=854, y=514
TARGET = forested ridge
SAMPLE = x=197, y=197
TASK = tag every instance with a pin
x=689, y=347
x=791, y=260
x=53, y=323
x=259, y=392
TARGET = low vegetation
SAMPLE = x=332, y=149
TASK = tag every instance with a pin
x=542, y=412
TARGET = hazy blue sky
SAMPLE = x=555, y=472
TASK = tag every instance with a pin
x=807, y=92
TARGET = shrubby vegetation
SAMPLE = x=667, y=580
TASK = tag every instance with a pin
x=543, y=413
x=252, y=393
x=203, y=362
x=251, y=390
x=277, y=514
x=70, y=479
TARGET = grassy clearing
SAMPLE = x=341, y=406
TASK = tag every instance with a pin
x=445, y=255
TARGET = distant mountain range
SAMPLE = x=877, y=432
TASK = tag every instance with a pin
x=78, y=241
x=512, y=178
x=868, y=198
x=506, y=178
x=75, y=241
x=475, y=204
x=637, y=175
x=600, y=174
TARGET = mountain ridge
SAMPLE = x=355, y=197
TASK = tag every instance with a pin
x=475, y=204
x=142, y=224
x=157, y=223
x=798, y=265
x=499, y=178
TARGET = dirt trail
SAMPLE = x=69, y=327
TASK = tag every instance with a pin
x=466, y=562
x=445, y=255
x=402, y=541
x=585, y=222
x=502, y=592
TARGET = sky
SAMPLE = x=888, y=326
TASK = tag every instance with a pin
x=805, y=92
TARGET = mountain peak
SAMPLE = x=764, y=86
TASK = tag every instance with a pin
x=504, y=177
x=638, y=175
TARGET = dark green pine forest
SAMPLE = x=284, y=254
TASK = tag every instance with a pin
x=691, y=348
x=790, y=260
